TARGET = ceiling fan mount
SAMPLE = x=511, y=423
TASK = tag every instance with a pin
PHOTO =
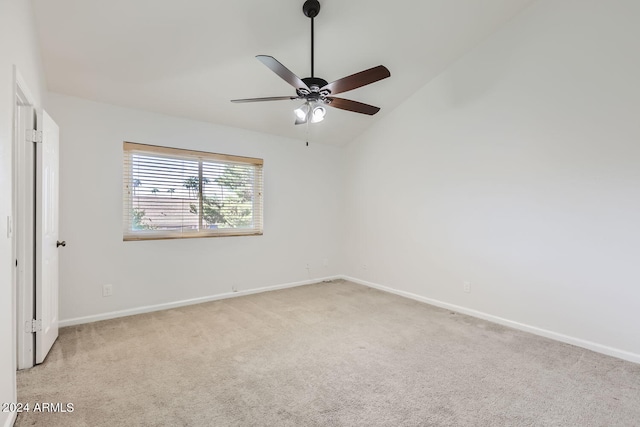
x=317, y=91
x=311, y=8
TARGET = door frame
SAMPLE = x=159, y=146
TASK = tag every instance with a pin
x=23, y=227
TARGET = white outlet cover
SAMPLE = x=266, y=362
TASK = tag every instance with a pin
x=107, y=290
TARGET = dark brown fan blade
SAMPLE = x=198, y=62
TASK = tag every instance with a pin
x=270, y=98
x=357, y=80
x=355, y=106
x=282, y=71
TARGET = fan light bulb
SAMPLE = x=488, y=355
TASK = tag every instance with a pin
x=318, y=114
x=301, y=113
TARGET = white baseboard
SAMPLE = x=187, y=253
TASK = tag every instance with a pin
x=599, y=348
x=182, y=303
x=610, y=351
x=11, y=420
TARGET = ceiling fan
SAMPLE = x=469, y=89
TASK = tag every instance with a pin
x=316, y=91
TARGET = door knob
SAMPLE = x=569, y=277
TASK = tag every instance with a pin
x=59, y=243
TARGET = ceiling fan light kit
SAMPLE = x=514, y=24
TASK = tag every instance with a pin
x=312, y=112
x=317, y=92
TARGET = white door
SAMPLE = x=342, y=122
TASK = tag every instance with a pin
x=47, y=245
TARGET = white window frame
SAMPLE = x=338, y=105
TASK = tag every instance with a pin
x=129, y=234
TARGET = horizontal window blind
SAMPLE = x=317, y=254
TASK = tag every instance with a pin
x=172, y=193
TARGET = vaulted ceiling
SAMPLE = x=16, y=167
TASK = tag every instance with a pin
x=190, y=58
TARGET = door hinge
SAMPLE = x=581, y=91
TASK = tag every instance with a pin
x=34, y=136
x=32, y=326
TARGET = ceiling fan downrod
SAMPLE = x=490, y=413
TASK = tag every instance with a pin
x=311, y=9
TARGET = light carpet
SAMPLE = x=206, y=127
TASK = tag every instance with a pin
x=329, y=354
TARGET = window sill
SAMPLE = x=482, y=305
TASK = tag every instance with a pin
x=131, y=238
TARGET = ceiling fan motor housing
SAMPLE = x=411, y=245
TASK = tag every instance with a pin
x=315, y=84
x=311, y=8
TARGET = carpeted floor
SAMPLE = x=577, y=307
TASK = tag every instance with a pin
x=330, y=354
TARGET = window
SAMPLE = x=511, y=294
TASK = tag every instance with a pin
x=171, y=193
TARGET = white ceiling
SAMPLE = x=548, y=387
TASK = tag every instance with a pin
x=189, y=58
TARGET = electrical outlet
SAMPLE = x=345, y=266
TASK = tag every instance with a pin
x=325, y=263
x=234, y=288
x=365, y=266
x=107, y=290
x=466, y=286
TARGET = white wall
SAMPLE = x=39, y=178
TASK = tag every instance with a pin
x=18, y=46
x=517, y=169
x=302, y=194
